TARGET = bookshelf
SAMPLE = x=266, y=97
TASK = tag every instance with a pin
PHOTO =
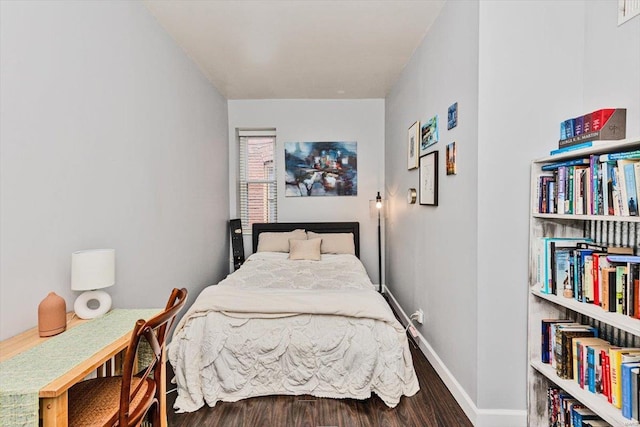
x=603, y=229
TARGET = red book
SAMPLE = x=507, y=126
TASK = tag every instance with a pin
x=606, y=377
x=600, y=117
x=587, y=123
x=636, y=299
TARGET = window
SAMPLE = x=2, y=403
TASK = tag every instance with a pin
x=257, y=177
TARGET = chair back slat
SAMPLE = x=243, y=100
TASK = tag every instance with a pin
x=154, y=332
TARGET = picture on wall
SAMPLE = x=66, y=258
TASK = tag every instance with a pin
x=413, y=149
x=321, y=169
x=429, y=134
x=451, y=159
x=429, y=179
x=452, y=116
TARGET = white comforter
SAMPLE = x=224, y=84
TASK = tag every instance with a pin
x=291, y=327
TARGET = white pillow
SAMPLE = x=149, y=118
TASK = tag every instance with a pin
x=305, y=249
x=278, y=241
x=335, y=243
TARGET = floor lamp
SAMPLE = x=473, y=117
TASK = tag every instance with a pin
x=379, y=211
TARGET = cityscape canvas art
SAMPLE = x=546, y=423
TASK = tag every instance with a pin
x=321, y=169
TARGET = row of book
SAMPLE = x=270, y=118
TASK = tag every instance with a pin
x=576, y=352
x=605, y=184
x=585, y=124
x=606, y=276
x=604, y=124
x=565, y=411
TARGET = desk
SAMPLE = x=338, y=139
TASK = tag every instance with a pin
x=48, y=367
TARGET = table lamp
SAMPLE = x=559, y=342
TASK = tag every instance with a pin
x=91, y=270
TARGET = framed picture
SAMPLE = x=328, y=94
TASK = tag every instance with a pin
x=429, y=179
x=413, y=150
x=452, y=116
x=321, y=168
x=451, y=159
x=429, y=134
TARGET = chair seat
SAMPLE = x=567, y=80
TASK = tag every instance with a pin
x=96, y=402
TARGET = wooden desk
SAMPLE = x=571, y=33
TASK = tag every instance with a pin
x=53, y=396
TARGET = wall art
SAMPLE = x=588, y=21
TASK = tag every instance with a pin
x=429, y=134
x=321, y=169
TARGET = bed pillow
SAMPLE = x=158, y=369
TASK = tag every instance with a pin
x=335, y=243
x=278, y=242
x=305, y=249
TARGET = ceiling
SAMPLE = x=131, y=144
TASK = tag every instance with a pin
x=287, y=49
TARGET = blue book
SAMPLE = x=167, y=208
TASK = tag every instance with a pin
x=573, y=162
x=632, y=194
x=627, y=393
x=571, y=148
x=623, y=258
x=581, y=414
x=619, y=156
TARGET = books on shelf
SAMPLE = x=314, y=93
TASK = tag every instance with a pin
x=603, y=124
x=598, y=184
x=596, y=366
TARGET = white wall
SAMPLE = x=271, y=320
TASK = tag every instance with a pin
x=517, y=70
x=529, y=82
x=431, y=251
x=110, y=137
x=320, y=120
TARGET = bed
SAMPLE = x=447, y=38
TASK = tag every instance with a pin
x=300, y=317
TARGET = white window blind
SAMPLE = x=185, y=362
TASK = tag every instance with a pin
x=258, y=193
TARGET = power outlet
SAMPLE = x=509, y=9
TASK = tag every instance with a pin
x=420, y=316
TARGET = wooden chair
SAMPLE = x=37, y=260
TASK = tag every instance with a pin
x=124, y=400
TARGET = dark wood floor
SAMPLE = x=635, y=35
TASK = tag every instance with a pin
x=432, y=406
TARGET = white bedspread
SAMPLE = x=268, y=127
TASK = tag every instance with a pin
x=291, y=327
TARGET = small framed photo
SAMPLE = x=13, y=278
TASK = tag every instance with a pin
x=413, y=149
x=429, y=179
x=429, y=134
x=452, y=116
x=451, y=159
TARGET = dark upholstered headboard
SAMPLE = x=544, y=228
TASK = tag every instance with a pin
x=317, y=227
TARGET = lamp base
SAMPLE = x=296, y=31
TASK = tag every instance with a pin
x=82, y=309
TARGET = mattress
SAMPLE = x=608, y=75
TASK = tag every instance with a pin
x=277, y=326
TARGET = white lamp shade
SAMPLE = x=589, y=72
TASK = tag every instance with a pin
x=93, y=269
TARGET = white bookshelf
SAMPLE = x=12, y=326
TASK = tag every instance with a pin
x=542, y=305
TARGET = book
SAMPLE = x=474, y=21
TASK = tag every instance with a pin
x=544, y=260
x=596, y=423
x=623, y=258
x=585, y=144
x=573, y=162
x=580, y=357
x=609, y=298
x=561, y=266
x=578, y=125
x=635, y=394
x=627, y=394
x=621, y=283
x=580, y=415
x=632, y=193
x=615, y=362
x=635, y=154
x=547, y=337
x=564, y=346
x=593, y=375
x=587, y=278
x=561, y=190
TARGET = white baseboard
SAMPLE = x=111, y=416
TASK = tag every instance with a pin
x=478, y=417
